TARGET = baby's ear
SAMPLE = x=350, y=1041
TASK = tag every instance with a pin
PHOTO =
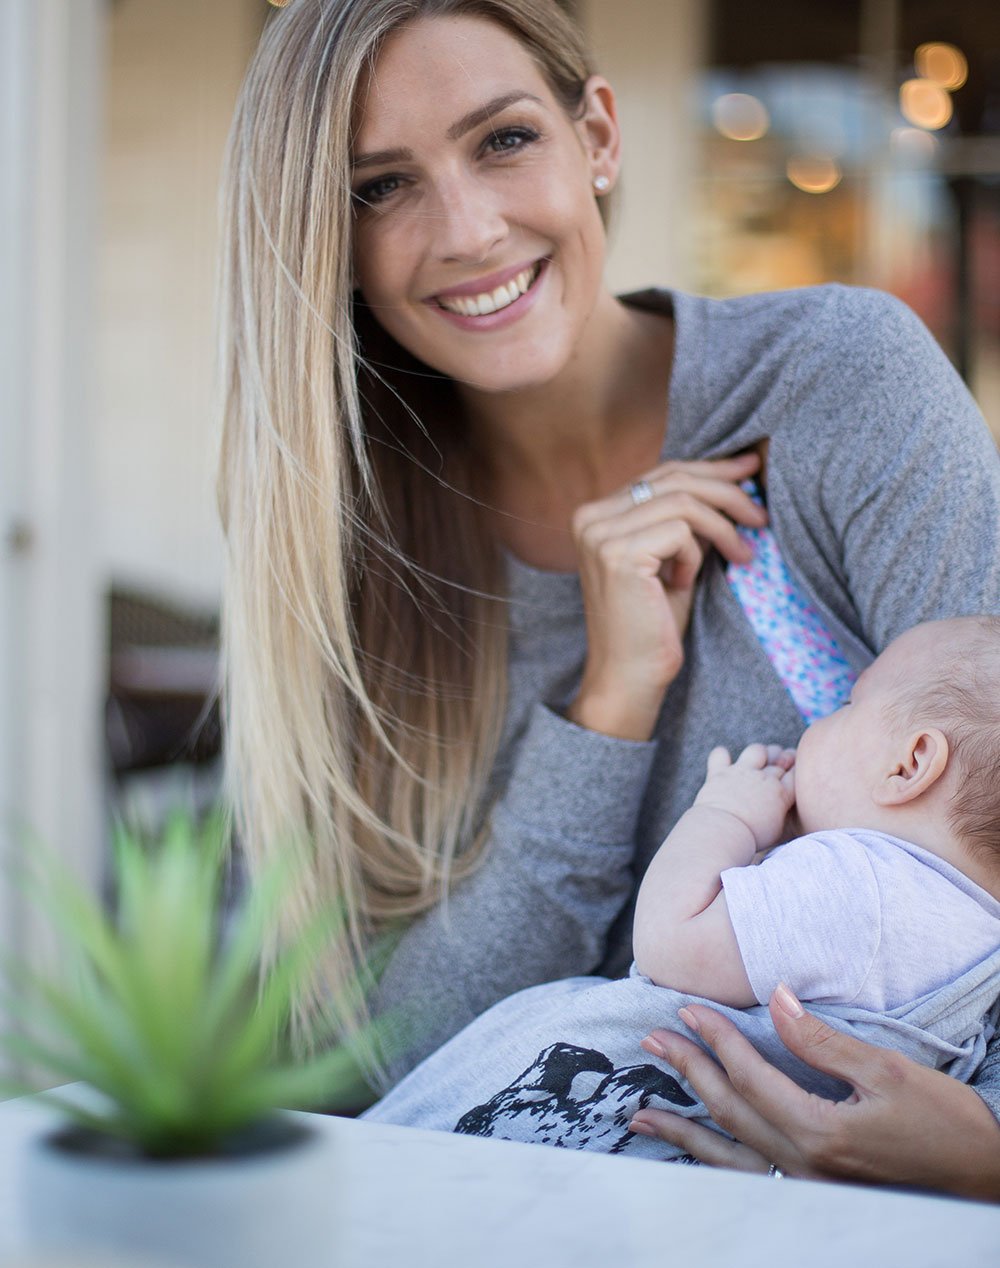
x=923, y=759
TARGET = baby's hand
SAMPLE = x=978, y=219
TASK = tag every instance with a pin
x=758, y=789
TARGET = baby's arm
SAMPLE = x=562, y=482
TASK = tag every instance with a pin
x=683, y=937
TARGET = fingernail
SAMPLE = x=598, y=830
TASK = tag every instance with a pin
x=641, y=1129
x=654, y=1046
x=787, y=1001
x=689, y=1020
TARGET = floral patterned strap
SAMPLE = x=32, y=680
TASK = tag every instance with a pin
x=802, y=650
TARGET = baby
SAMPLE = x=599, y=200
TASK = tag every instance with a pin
x=889, y=926
x=855, y=915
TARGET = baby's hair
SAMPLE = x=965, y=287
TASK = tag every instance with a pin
x=963, y=699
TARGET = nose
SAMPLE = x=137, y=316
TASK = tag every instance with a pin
x=470, y=222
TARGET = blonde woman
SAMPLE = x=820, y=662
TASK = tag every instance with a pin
x=483, y=519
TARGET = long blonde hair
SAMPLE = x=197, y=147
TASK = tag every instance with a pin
x=364, y=633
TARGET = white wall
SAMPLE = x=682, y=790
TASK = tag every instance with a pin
x=173, y=75
x=651, y=51
x=51, y=57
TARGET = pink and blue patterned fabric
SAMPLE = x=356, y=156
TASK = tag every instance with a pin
x=802, y=650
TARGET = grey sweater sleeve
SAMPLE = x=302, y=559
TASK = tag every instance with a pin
x=558, y=870
x=891, y=491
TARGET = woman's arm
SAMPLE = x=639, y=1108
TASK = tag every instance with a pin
x=904, y=1124
x=556, y=873
x=884, y=482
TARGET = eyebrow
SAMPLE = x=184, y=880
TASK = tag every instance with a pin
x=482, y=114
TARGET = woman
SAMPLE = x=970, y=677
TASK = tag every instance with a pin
x=479, y=636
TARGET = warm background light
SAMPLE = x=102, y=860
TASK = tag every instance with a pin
x=740, y=117
x=914, y=143
x=814, y=173
x=943, y=63
x=925, y=104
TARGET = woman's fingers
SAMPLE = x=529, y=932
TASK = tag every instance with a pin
x=862, y=1066
x=708, y=489
x=657, y=527
x=904, y=1124
x=701, y=1142
x=721, y=1087
x=739, y=467
x=721, y=494
x=768, y=1094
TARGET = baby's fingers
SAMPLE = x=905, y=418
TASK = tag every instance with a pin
x=754, y=756
x=719, y=760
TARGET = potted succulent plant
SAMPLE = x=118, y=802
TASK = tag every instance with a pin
x=175, y=1143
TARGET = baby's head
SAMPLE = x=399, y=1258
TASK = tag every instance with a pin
x=916, y=751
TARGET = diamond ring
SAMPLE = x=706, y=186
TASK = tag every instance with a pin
x=641, y=491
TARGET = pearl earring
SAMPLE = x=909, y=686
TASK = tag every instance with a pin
x=601, y=183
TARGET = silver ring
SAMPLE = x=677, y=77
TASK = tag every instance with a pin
x=774, y=1172
x=641, y=491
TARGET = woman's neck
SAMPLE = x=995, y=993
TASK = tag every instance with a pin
x=579, y=437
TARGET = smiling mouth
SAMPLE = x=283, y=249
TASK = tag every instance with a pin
x=492, y=301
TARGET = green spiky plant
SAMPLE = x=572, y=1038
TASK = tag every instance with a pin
x=172, y=1024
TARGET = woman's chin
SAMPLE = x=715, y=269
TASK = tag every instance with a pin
x=523, y=370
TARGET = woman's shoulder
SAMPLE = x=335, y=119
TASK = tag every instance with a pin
x=832, y=315
x=839, y=347
x=764, y=346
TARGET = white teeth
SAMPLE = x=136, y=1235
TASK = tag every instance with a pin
x=491, y=301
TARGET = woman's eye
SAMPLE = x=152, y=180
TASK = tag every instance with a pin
x=506, y=140
x=376, y=191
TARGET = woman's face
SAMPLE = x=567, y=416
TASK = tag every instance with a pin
x=478, y=243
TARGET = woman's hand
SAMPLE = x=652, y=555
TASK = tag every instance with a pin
x=638, y=566
x=904, y=1124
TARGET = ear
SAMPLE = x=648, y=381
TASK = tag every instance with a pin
x=598, y=129
x=923, y=759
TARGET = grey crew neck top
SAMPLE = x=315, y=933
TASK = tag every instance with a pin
x=883, y=491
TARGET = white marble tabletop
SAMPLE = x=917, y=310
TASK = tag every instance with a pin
x=433, y=1200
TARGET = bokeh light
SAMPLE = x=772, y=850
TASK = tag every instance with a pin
x=945, y=64
x=925, y=104
x=740, y=117
x=814, y=173
x=914, y=144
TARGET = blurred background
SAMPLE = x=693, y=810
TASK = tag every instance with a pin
x=769, y=144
